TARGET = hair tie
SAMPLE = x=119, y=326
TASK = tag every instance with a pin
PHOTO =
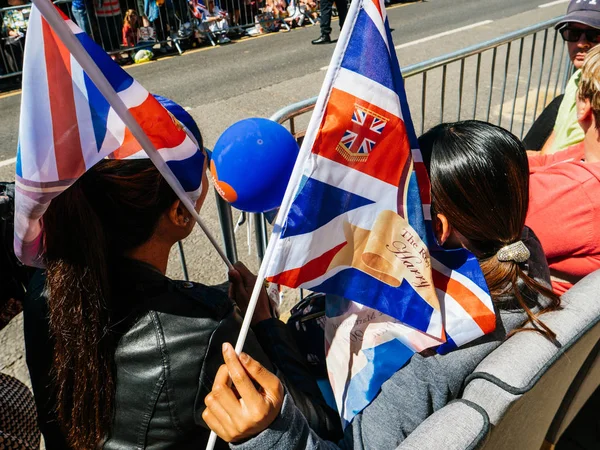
x=516, y=252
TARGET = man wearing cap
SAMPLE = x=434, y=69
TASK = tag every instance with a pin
x=564, y=190
x=580, y=28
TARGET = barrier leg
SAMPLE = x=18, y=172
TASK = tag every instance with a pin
x=226, y=222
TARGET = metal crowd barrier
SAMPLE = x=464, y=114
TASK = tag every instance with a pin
x=171, y=23
x=507, y=81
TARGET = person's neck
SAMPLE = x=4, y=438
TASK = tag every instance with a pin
x=155, y=254
x=591, y=144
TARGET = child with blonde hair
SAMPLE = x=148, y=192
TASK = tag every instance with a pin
x=130, y=28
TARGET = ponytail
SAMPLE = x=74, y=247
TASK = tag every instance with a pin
x=79, y=302
x=112, y=209
x=507, y=280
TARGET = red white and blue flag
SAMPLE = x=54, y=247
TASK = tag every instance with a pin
x=67, y=126
x=355, y=223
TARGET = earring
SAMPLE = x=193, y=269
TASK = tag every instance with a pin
x=186, y=220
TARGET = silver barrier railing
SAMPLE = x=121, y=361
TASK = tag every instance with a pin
x=508, y=81
x=175, y=25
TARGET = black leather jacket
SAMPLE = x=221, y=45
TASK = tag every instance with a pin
x=166, y=359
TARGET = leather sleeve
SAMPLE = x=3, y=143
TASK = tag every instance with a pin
x=300, y=383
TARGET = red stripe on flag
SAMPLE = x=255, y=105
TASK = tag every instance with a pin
x=423, y=182
x=295, y=277
x=62, y=14
x=65, y=129
x=378, y=6
x=480, y=313
x=163, y=130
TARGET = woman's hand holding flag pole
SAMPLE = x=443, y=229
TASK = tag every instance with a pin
x=58, y=25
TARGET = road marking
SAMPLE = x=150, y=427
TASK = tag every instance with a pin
x=10, y=93
x=556, y=2
x=8, y=162
x=445, y=33
x=324, y=68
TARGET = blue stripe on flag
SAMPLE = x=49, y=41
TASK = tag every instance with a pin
x=448, y=346
x=463, y=262
x=414, y=208
x=366, y=40
x=399, y=88
x=402, y=302
x=99, y=109
x=318, y=203
x=19, y=167
x=116, y=76
x=382, y=362
x=187, y=171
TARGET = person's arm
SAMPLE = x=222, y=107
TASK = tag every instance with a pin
x=548, y=144
x=536, y=159
x=282, y=351
x=413, y=393
x=266, y=420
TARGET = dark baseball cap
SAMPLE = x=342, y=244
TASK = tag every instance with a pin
x=586, y=12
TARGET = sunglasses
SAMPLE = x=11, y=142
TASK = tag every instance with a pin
x=574, y=34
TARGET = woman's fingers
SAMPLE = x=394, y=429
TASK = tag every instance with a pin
x=240, y=378
x=222, y=376
x=234, y=418
x=215, y=424
x=267, y=380
x=248, y=277
x=238, y=291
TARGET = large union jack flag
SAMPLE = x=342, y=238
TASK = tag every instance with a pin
x=355, y=223
x=67, y=126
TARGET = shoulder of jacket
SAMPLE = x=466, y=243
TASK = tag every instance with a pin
x=186, y=298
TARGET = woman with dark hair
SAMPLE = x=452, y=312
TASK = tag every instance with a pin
x=479, y=189
x=133, y=353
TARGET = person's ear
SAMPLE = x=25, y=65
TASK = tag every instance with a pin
x=584, y=110
x=442, y=229
x=178, y=215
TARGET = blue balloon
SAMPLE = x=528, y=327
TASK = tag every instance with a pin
x=252, y=163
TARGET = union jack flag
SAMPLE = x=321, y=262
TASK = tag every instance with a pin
x=363, y=134
x=355, y=223
x=67, y=126
x=198, y=8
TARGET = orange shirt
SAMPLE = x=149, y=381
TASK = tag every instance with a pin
x=564, y=212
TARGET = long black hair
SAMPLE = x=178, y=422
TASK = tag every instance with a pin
x=112, y=209
x=480, y=181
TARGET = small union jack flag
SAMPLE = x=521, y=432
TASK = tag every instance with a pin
x=364, y=132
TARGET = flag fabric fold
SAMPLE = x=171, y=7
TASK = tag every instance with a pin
x=67, y=126
x=356, y=224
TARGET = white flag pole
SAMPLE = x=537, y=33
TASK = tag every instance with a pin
x=303, y=156
x=59, y=26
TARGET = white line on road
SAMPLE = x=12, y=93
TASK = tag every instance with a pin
x=8, y=162
x=324, y=68
x=445, y=33
x=556, y=2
